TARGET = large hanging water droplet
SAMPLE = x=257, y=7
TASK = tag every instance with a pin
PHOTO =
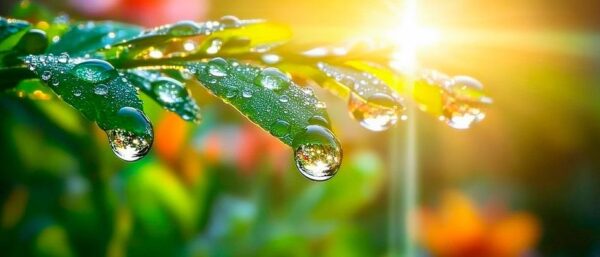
x=184, y=28
x=217, y=67
x=94, y=71
x=133, y=137
x=169, y=91
x=317, y=153
x=377, y=113
x=272, y=78
x=463, y=101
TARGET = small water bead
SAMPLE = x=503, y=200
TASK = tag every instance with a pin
x=247, y=93
x=377, y=113
x=101, y=89
x=230, y=21
x=134, y=136
x=55, y=82
x=46, y=75
x=284, y=98
x=317, y=153
x=184, y=28
x=77, y=92
x=63, y=58
x=272, y=78
x=217, y=67
x=169, y=91
x=280, y=128
x=215, y=46
x=94, y=71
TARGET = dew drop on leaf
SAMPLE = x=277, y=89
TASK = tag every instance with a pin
x=134, y=136
x=63, y=58
x=217, y=67
x=100, y=89
x=246, y=93
x=284, y=98
x=183, y=28
x=215, y=46
x=377, y=113
x=77, y=92
x=463, y=102
x=272, y=78
x=46, y=75
x=230, y=21
x=317, y=153
x=280, y=128
x=94, y=71
x=169, y=91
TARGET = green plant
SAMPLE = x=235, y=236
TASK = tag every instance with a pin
x=99, y=67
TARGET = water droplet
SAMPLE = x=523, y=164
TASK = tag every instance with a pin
x=169, y=91
x=77, y=92
x=184, y=28
x=317, y=153
x=94, y=71
x=247, y=93
x=101, y=89
x=215, y=46
x=230, y=21
x=319, y=120
x=231, y=92
x=46, y=75
x=284, y=98
x=280, y=128
x=379, y=112
x=463, y=102
x=217, y=67
x=134, y=136
x=55, y=82
x=320, y=105
x=63, y=58
x=272, y=78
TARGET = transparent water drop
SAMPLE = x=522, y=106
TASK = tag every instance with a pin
x=94, y=71
x=280, y=128
x=77, y=92
x=230, y=21
x=101, y=89
x=134, y=136
x=55, y=82
x=169, y=91
x=215, y=46
x=319, y=120
x=217, y=67
x=46, y=75
x=231, y=92
x=246, y=93
x=284, y=98
x=317, y=153
x=377, y=113
x=184, y=28
x=63, y=58
x=463, y=101
x=272, y=78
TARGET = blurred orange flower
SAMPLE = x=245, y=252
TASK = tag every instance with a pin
x=457, y=228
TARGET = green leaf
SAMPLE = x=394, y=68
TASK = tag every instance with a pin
x=86, y=38
x=169, y=93
x=79, y=86
x=11, y=31
x=228, y=36
x=266, y=96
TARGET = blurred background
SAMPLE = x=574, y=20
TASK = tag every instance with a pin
x=524, y=182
